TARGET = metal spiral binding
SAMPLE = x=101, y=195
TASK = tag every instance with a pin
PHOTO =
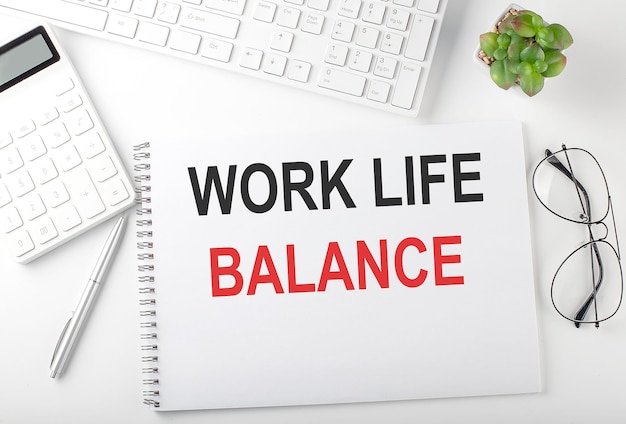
x=147, y=290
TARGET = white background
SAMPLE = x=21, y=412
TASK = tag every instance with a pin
x=141, y=95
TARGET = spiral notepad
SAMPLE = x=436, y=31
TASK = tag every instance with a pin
x=332, y=268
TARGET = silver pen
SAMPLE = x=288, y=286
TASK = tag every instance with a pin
x=71, y=331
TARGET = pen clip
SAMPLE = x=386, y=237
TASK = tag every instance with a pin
x=56, y=348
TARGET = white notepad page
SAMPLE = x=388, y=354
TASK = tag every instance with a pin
x=282, y=299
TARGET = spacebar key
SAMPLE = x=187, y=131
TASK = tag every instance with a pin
x=345, y=82
x=60, y=11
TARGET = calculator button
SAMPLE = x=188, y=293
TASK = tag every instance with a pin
x=64, y=85
x=32, y=147
x=5, y=139
x=55, y=194
x=10, y=160
x=20, y=243
x=79, y=122
x=33, y=206
x=55, y=135
x=44, y=231
x=67, y=157
x=70, y=101
x=10, y=219
x=115, y=192
x=103, y=168
x=5, y=196
x=43, y=170
x=67, y=218
x=90, y=145
x=84, y=194
x=25, y=128
x=48, y=116
x=20, y=183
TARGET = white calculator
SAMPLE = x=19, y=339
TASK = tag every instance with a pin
x=59, y=172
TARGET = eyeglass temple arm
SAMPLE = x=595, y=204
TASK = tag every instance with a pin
x=580, y=314
x=554, y=161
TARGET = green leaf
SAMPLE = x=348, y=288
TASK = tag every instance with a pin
x=523, y=25
x=512, y=65
x=532, y=53
x=556, y=62
x=504, y=40
x=562, y=37
x=489, y=43
x=501, y=76
x=540, y=66
x=525, y=68
x=531, y=83
x=500, y=54
x=537, y=21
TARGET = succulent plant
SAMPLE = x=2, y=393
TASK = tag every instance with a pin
x=522, y=49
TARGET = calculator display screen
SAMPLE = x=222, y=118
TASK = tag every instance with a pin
x=25, y=56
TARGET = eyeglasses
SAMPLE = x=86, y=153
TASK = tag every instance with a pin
x=588, y=285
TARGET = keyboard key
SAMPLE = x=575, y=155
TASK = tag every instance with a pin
x=349, y=8
x=229, y=6
x=343, y=31
x=398, y=19
x=275, y=64
x=122, y=26
x=298, y=70
x=405, y=86
x=318, y=4
x=367, y=37
x=265, y=11
x=145, y=8
x=186, y=42
x=374, y=13
x=209, y=22
x=419, y=38
x=251, y=59
x=288, y=17
x=168, y=12
x=344, y=82
x=313, y=23
x=153, y=33
x=281, y=41
x=217, y=50
x=378, y=91
x=336, y=54
x=70, y=101
x=385, y=67
x=392, y=43
x=360, y=61
x=122, y=5
x=428, y=5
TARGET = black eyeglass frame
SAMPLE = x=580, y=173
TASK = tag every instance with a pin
x=553, y=160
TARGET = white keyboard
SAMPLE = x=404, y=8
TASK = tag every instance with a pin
x=59, y=172
x=376, y=53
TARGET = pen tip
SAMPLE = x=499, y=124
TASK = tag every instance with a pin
x=53, y=374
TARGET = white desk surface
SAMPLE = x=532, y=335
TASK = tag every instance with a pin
x=141, y=95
